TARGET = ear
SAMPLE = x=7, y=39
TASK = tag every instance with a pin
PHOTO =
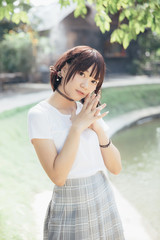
x=64, y=70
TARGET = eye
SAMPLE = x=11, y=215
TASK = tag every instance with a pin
x=81, y=73
x=94, y=82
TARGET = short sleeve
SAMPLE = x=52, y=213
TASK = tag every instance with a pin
x=38, y=124
x=103, y=124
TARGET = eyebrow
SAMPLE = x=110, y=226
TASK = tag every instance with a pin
x=94, y=79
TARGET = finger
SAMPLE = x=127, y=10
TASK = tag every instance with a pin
x=91, y=99
x=93, y=102
x=102, y=106
x=96, y=102
x=86, y=101
x=98, y=109
x=102, y=115
x=96, y=112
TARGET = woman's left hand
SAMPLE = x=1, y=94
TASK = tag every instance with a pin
x=95, y=126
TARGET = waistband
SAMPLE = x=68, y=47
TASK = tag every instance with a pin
x=84, y=180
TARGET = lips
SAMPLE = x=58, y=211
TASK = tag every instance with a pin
x=81, y=93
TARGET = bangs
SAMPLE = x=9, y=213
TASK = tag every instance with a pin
x=85, y=60
x=96, y=69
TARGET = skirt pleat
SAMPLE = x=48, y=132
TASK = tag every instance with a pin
x=83, y=209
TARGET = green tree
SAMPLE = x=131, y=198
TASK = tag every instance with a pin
x=16, y=51
x=135, y=16
x=147, y=59
x=14, y=10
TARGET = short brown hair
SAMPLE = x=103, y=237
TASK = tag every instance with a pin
x=80, y=58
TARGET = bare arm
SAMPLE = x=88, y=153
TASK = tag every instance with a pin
x=111, y=155
x=57, y=166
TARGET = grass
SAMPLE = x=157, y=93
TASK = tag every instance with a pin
x=121, y=100
x=22, y=176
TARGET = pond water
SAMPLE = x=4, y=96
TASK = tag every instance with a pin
x=139, y=181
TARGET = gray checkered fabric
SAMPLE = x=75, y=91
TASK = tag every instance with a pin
x=83, y=209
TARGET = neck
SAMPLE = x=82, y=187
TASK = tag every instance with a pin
x=61, y=103
x=63, y=95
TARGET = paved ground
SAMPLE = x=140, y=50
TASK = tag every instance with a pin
x=16, y=95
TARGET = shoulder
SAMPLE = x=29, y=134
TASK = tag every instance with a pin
x=38, y=122
x=38, y=112
x=39, y=107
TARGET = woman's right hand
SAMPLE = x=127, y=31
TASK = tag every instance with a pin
x=88, y=114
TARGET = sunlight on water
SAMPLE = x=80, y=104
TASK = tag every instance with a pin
x=139, y=180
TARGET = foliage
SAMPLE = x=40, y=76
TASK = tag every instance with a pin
x=134, y=16
x=147, y=60
x=5, y=27
x=14, y=10
x=16, y=53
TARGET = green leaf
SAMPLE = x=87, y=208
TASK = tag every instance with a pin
x=2, y=13
x=116, y=36
x=7, y=15
x=142, y=28
x=157, y=29
x=140, y=15
x=127, y=13
x=137, y=27
x=107, y=26
x=90, y=1
x=124, y=27
x=16, y=18
x=24, y=17
x=126, y=41
x=121, y=16
x=113, y=7
x=64, y=3
x=132, y=35
x=113, y=36
x=76, y=13
x=102, y=28
x=80, y=11
x=120, y=33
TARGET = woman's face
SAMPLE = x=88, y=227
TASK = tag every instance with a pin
x=81, y=85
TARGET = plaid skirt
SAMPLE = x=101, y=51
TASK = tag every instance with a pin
x=83, y=209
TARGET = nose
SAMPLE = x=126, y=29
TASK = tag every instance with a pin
x=84, y=84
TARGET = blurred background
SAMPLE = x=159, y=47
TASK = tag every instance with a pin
x=33, y=34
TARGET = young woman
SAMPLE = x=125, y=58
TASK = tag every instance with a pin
x=71, y=142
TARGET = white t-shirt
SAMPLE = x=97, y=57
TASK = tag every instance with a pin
x=47, y=122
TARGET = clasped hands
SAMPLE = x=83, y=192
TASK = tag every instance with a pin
x=89, y=114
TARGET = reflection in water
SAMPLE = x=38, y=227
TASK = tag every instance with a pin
x=139, y=180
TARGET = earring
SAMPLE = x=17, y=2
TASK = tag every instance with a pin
x=57, y=79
